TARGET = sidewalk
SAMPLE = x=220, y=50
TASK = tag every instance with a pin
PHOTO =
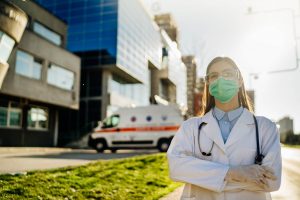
x=11, y=150
x=175, y=195
x=19, y=160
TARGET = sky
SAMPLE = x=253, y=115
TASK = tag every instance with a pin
x=262, y=36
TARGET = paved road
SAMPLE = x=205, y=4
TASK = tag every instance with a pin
x=290, y=185
x=19, y=160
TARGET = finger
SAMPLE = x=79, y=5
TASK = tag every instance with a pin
x=269, y=173
x=260, y=184
x=270, y=176
x=268, y=169
x=263, y=181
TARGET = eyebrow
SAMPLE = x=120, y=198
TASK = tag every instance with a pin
x=223, y=70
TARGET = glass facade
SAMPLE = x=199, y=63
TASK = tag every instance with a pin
x=6, y=46
x=60, y=77
x=139, y=39
x=139, y=42
x=92, y=24
x=27, y=65
x=137, y=93
x=176, y=67
x=47, y=33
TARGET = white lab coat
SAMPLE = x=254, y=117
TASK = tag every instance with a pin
x=204, y=176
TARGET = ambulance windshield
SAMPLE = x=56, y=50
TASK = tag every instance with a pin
x=111, y=121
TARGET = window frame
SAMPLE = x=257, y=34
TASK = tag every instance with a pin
x=60, y=43
x=6, y=43
x=50, y=65
x=36, y=59
x=9, y=109
x=36, y=122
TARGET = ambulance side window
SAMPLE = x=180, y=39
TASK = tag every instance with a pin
x=111, y=121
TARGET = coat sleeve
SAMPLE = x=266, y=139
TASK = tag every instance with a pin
x=272, y=151
x=185, y=167
x=270, y=146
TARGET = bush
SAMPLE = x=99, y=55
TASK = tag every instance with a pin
x=292, y=139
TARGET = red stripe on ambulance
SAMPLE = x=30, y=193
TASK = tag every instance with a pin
x=138, y=129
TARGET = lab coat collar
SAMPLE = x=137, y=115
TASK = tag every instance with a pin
x=239, y=130
x=233, y=114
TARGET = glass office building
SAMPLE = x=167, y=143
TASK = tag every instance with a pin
x=119, y=44
x=175, y=67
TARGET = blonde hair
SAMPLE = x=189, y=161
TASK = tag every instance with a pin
x=208, y=101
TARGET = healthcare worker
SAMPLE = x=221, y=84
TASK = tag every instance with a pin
x=228, y=153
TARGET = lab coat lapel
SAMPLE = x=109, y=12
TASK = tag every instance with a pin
x=241, y=128
x=212, y=130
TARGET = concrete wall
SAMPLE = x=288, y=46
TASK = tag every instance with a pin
x=40, y=90
x=191, y=72
x=12, y=20
x=38, y=13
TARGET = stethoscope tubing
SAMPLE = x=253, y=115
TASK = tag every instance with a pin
x=259, y=157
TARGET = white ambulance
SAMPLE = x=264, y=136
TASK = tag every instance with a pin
x=150, y=126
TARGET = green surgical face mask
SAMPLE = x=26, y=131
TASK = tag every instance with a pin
x=223, y=90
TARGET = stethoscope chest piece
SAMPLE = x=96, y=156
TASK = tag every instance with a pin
x=206, y=154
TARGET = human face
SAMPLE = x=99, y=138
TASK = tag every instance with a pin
x=224, y=69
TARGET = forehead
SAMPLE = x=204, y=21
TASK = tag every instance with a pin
x=221, y=66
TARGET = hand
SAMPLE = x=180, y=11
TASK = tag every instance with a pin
x=251, y=173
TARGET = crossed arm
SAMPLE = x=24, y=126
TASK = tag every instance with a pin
x=220, y=177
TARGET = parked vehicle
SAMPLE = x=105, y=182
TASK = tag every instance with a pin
x=150, y=126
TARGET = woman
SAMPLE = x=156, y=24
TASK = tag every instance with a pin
x=215, y=154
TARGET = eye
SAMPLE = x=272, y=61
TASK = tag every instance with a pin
x=229, y=74
x=213, y=76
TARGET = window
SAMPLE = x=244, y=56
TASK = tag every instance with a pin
x=111, y=121
x=60, y=77
x=10, y=115
x=37, y=118
x=6, y=46
x=47, y=33
x=27, y=65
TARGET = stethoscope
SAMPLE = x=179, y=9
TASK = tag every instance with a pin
x=258, y=158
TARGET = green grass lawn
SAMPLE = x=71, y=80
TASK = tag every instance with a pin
x=140, y=177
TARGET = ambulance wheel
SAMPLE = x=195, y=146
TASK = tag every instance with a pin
x=113, y=150
x=100, y=145
x=163, y=145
